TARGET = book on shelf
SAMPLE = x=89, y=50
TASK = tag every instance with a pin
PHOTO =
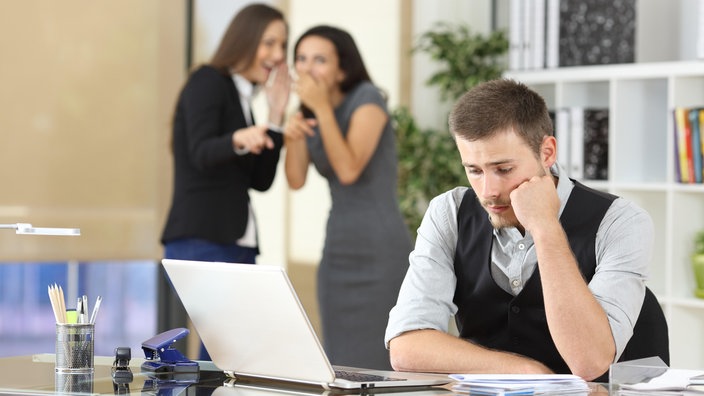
x=689, y=144
x=695, y=127
x=684, y=142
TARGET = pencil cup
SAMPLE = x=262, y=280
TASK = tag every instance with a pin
x=74, y=347
x=72, y=383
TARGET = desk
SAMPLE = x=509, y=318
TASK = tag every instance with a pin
x=35, y=375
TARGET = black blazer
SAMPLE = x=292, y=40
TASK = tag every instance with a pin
x=211, y=182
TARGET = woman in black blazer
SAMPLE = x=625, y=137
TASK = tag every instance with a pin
x=219, y=152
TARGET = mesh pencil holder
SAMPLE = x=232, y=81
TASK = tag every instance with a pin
x=75, y=347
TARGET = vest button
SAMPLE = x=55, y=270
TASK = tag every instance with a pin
x=515, y=309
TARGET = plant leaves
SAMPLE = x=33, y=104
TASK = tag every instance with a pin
x=428, y=161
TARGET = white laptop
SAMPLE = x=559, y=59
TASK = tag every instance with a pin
x=255, y=329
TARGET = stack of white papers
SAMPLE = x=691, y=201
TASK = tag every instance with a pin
x=519, y=384
x=674, y=380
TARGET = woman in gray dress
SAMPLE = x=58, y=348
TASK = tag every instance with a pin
x=347, y=134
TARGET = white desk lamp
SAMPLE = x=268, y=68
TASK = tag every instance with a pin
x=27, y=229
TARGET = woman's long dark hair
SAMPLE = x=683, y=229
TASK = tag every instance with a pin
x=239, y=44
x=350, y=59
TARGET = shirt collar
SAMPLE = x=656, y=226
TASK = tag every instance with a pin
x=564, y=185
x=245, y=88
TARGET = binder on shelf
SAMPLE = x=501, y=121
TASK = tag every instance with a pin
x=562, y=134
x=561, y=33
x=515, y=35
x=576, y=143
x=691, y=25
x=596, y=32
x=582, y=135
x=596, y=144
x=538, y=35
x=527, y=39
x=552, y=33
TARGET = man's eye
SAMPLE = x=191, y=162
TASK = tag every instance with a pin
x=505, y=170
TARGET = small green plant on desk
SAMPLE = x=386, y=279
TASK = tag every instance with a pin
x=698, y=263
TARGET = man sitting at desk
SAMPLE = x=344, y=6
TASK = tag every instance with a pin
x=542, y=273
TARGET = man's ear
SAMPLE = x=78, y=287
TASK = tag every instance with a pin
x=548, y=151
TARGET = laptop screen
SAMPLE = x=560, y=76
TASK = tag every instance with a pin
x=250, y=320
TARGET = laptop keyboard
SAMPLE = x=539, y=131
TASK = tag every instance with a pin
x=362, y=377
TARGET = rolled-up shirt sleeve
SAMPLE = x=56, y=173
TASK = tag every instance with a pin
x=623, y=252
x=425, y=299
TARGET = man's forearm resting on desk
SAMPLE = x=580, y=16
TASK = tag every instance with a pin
x=436, y=352
x=578, y=324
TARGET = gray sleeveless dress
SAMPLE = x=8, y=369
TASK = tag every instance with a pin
x=366, y=247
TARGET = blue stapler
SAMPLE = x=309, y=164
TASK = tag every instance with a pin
x=162, y=358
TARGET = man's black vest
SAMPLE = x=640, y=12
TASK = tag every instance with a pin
x=491, y=317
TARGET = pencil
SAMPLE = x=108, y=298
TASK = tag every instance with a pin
x=62, y=301
x=53, y=303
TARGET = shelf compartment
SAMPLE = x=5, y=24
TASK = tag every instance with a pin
x=638, y=131
x=687, y=204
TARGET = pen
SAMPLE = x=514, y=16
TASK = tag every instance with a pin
x=79, y=310
x=85, y=309
x=95, y=309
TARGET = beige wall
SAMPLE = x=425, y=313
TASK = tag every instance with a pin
x=87, y=93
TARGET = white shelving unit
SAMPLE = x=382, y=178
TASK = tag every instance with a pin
x=641, y=97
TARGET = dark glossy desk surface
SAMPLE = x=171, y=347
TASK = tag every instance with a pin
x=35, y=375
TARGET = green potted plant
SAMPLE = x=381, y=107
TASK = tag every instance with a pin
x=698, y=264
x=429, y=163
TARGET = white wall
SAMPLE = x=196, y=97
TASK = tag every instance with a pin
x=426, y=105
